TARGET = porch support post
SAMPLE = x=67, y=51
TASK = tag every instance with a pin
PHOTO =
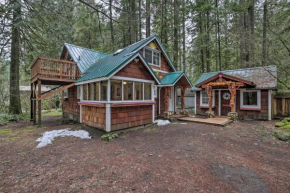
x=182, y=97
x=34, y=103
x=210, y=113
x=233, y=90
x=31, y=103
x=167, y=92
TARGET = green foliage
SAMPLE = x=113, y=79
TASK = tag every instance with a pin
x=109, y=136
x=287, y=126
x=283, y=135
x=279, y=124
x=5, y=118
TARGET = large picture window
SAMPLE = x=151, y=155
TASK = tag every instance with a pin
x=104, y=85
x=147, y=91
x=250, y=99
x=85, y=92
x=204, y=98
x=152, y=56
x=97, y=91
x=116, y=90
x=138, y=91
x=128, y=90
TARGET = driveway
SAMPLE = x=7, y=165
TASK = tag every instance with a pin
x=180, y=157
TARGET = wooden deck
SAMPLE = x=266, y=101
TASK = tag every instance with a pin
x=221, y=121
x=53, y=71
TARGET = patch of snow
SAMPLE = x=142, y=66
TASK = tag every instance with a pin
x=160, y=122
x=49, y=136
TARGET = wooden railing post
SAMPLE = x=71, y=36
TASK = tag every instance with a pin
x=60, y=69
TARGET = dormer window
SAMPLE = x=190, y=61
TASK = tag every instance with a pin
x=152, y=56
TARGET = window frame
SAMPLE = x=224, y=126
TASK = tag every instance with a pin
x=250, y=107
x=213, y=99
x=152, y=55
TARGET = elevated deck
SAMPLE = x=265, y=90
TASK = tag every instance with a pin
x=54, y=71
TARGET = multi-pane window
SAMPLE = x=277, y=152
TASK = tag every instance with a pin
x=152, y=56
x=97, y=91
x=104, y=85
x=147, y=91
x=116, y=90
x=204, y=99
x=128, y=90
x=138, y=91
x=85, y=92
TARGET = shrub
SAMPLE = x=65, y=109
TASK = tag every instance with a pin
x=110, y=136
x=282, y=135
x=5, y=118
x=286, y=126
x=279, y=124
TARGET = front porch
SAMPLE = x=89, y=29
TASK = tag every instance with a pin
x=220, y=121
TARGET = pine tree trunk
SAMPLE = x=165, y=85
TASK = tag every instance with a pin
x=264, y=46
x=111, y=26
x=242, y=30
x=251, y=31
x=200, y=21
x=148, y=18
x=207, y=51
x=183, y=36
x=132, y=22
x=15, y=103
x=226, y=54
x=218, y=38
x=140, y=20
x=175, y=36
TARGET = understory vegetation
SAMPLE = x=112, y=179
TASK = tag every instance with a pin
x=283, y=129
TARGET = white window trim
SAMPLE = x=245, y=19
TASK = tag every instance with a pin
x=249, y=107
x=65, y=94
x=122, y=98
x=213, y=99
x=154, y=91
x=153, y=50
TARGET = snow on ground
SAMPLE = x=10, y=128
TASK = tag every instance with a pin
x=49, y=136
x=160, y=122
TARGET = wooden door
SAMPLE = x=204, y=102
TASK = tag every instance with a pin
x=225, y=102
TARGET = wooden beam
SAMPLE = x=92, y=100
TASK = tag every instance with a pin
x=54, y=92
x=39, y=102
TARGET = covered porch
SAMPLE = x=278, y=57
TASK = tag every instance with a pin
x=167, y=94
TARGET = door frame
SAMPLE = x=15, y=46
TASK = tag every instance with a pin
x=220, y=100
x=171, y=100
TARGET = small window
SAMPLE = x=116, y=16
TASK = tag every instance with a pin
x=116, y=90
x=138, y=91
x=97, y=91
x=152, y=56
x=65, y=94
x=204, y=98
x=104, y=85
x=251, y=99
x=85, y=92
x=128, y=90
x=91, y=92
x=147, y=91
x=78, y=92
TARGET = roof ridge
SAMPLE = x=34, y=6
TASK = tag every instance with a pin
x=240, y=69
x=86, y=48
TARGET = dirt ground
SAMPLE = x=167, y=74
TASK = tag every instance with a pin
x=180, y=157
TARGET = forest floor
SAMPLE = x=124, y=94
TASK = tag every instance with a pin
x=180, y=157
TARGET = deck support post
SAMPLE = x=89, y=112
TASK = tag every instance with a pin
x=39, y=102
x=31, y=102
x=34, y=103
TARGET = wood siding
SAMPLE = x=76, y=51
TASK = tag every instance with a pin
x=70, y=105
x=94, y=116
x=125, y=117
x=135, y=70
x=261, y=114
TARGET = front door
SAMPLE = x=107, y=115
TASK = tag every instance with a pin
x=225, y=102
x=171, y=99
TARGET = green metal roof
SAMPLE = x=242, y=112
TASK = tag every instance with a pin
x=109, y=64
x=172, y=77
x=84, y=57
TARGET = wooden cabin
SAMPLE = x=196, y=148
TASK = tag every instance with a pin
x=242, y=93
x=128, y=88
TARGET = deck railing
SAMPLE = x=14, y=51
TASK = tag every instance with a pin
x=54, y=69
